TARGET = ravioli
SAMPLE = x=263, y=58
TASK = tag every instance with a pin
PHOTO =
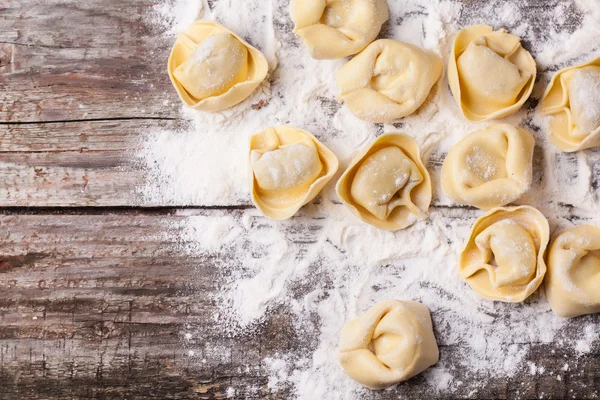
x=573, y=276
x=490, y=74
x=213, y=69
x=390, y=343
x=388, y=80
x=288, y=168
x=386, y=183
x=504, y=256
x=573, y=100
x=333, y=29
x=489, y=168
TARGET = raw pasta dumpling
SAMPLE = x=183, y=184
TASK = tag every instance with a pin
x=490, y=74
x=386, y=184
x=333, y=29
x=213, y=69
x=504, y=256
x=388, y=80
x=390, y=343
x=573, y=99
x=573, y=279
x=489, y=168
x=288, y=168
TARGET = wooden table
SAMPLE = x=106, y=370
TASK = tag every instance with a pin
x=94, y=296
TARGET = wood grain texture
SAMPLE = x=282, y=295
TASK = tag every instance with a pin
x=96, y=306
x=71, y=60
x=73, y=164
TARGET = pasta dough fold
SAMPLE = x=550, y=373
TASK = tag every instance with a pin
x=489, y=168
x=388, y=80
x=288, y=168
x=573, y=99
x=213, y=69
x=573, y=277
x=391, y=342
x=386, y=183
x=504, y=256
x=333, y=29
x=490, y=74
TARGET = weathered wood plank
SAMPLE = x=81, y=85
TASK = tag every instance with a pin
x=93, y=164
x=96, y=306
x=77, y=60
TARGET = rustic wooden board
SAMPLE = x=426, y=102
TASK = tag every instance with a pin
x=71, y=60
x=94, y=301
x=95, y=306
x=73, y=163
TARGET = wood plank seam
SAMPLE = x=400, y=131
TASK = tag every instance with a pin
x=107, y=119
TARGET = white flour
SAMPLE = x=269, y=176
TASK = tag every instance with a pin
x=176, y=15
x=324, y=266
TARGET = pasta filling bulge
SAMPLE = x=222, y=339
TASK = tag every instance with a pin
x=387, y=184
x=288, y=168
x=295, y=166
x=504, y=256
x=573, y=275
x=584, y=100
x=384, y=181
x=573, y=101
x=391, y=342
x=215, y=66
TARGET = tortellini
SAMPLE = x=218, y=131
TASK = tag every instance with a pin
x=386, y=184
x=489, y=168
x=490, y=74
x=573, y=279
x=388, y=80
x=504, y=256
x=573, y=99
x=391, y=342
x=213, y=69
x=333, y=29
x=288, y=168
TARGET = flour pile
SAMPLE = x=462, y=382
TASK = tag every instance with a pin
x=324, y=266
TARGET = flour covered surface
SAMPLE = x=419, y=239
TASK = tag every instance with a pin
x=295, y=283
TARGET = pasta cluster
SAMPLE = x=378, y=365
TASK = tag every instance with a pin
x=387, y=184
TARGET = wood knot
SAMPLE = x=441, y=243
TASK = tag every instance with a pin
x=7, y=51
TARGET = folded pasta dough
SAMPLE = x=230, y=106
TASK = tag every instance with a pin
x=213, y=69
x=390, y=343
x=573, y=279
x=573, y=100
x=333, y=29
x=489, y=168
x=387, y=184
x=388, y=80
x=504, y=256
x=490, y=74
x=288, y=168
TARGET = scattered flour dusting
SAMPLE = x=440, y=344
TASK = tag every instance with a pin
x=590, y=334
x=176, y=15
x=324, y=266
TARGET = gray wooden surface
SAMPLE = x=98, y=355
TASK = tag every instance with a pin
x=95, y=291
